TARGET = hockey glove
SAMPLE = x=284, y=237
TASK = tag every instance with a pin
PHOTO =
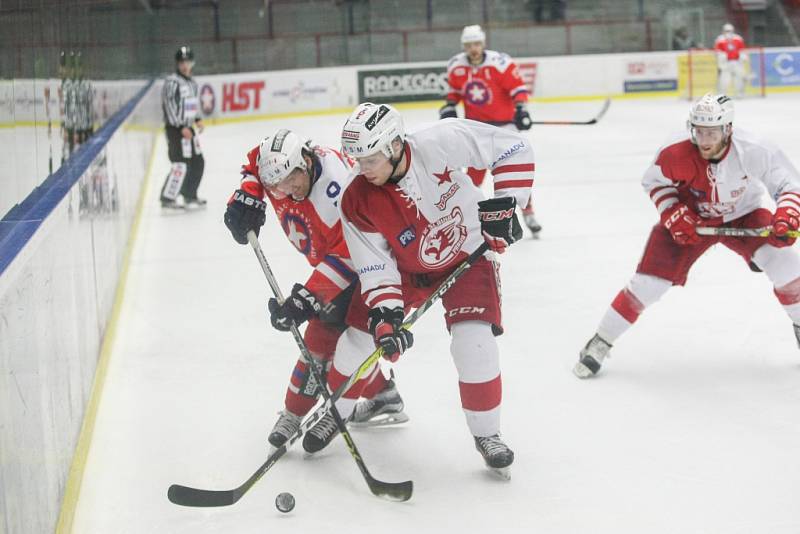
x=299, y=307
x=681, y=223
x=245, y=212
x=386, y=327
x=499, y=223
x=786, y=218
x=522, y=119
x=448, y=111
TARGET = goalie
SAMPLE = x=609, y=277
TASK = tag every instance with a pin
x=732, y=61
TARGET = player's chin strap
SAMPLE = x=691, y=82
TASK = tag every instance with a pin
x=392, y=178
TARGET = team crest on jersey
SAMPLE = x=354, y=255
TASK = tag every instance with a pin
x=476, y=92
x=297, y=231
x=441, y=241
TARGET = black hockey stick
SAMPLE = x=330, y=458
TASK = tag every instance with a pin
x=187, y=496
x=394, y=491
x=764, y=231
x=593, y=120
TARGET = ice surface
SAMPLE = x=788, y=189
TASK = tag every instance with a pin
x=692, y=427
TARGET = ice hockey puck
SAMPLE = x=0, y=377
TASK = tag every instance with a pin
x=284, y=502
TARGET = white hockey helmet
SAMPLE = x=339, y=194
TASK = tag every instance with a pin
x=711, y=110
x=370, y=129
x=279, y=155
x=727, y=28
x=473, y=34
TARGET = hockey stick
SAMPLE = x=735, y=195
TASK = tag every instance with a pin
x=394, y=491
x=593, y=120
x=764, y=231
x=187, y=496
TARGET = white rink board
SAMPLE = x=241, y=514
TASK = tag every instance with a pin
x=693, y=427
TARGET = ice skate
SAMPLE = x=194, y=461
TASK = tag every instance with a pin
x=286, y=425
x=320, y=434
x=385, y=408
x=195, y=203
x=170, y=205
x=496, y=454
x=531, y=222
x=591, y=357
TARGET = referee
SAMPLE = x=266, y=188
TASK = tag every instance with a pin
x=181, y=106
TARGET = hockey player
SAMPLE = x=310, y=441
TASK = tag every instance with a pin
x=717, y=175
x=410, y=217
x=489, y=85
x=181, y=107
x=303, y=184
x=732, y=61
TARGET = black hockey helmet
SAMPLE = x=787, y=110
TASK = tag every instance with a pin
x=184, y=53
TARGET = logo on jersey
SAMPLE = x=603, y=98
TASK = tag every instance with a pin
x=444, y=176
x=376, y=118
x=442, y=204
x=297, y=231
x=476, y=92
x=508, y=153
x=442, y=240
x=407, y=236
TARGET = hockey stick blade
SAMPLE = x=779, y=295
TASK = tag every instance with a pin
x=727, y=231
x=593, y=120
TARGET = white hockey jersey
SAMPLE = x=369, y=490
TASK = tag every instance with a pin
x=745, y=177
x=428, y=221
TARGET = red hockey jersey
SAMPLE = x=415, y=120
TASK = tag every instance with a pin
x=490, y=90
x=312, y=225
x=731, y=46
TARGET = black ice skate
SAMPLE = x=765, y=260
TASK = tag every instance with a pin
x=195, y=203
x=286, y=425
x=385, y=408
x=591, y=357
x=496, y=454
x=320, y=434
x=168, y=204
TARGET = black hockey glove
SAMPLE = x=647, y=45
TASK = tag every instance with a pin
x=448, y=111
x=245, y=212
x=386, y=327
x=522, y=120
x=299, y=307
x=499, y=223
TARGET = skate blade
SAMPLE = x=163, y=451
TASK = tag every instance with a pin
x=581, y=371
x=501, y=472
x=194, y=207
x=385, y=419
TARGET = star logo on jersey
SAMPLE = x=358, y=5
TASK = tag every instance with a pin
x=297, y=232
x=475, y=92
x=444, y=176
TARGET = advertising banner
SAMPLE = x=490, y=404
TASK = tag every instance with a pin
x=402, y=85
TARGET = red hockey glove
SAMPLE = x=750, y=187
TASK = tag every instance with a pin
x=786, y=218
x=681, y=223
x=386, y=328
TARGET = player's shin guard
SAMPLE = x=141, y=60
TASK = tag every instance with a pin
x=782, y=267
